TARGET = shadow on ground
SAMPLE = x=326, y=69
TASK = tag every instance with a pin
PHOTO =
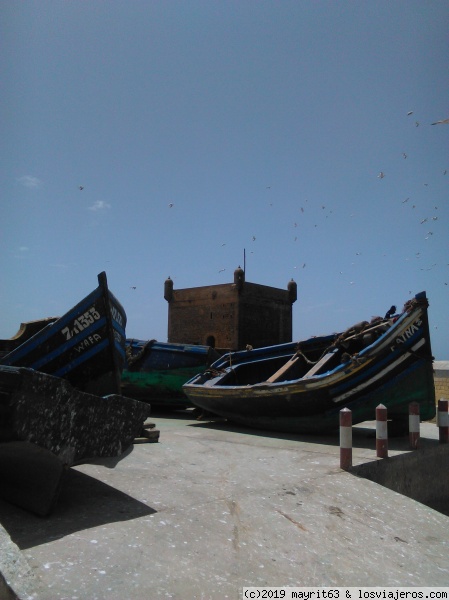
x=363, y=436
x=84, y=502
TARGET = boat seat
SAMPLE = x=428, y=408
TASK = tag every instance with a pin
x=321, y=363
x=280, y=373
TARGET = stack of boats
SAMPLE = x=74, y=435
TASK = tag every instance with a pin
x=74, y=388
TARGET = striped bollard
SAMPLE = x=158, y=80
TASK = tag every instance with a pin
x=443, y=420
x=413, y=424
x=345, y=439
x=381, y=432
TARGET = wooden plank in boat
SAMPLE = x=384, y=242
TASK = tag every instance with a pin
x=283, y=370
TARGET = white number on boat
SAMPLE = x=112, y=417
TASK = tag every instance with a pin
x=82, y=322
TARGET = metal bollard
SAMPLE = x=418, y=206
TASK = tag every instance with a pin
x=345, y=439
x=443, y=420
x=413, y=424
x=381, y=432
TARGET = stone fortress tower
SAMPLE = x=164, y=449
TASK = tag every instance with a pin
x=230, y=315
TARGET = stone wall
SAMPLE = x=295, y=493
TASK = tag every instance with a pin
x=441, y=378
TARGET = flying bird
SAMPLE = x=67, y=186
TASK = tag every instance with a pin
x=171, y=205
x=81, y=187
x=133, y=287
x=221, y=270
x=410, y=112
x=446, y=121
x=381, y=175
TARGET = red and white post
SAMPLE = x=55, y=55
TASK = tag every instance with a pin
x=443, y=420
x=413, y=425
x=345, y=439
x=381, y=432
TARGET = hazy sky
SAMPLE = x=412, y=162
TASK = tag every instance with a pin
x=199, y=129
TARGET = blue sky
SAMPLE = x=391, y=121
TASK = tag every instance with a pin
x=264, y=124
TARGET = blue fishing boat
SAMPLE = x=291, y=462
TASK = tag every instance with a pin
x=301, y=388
x=156, y=371
x=86, y=346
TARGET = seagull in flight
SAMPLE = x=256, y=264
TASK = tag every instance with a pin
x=381, y=175
x=81, y=187
x=171, y=205
x=446, y=121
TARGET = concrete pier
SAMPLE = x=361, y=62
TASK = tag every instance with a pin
x=212, y=508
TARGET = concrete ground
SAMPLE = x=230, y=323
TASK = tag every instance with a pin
x=212, y=508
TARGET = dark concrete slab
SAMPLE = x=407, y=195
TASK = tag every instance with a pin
x=31, y=477
x=212, y=508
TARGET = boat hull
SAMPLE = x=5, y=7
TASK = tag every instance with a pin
x=155, y=371
x=394, y=370
x=86, y=346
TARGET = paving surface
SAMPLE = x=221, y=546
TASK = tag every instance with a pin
x=212, y=508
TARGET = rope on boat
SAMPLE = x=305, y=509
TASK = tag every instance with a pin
x=133, y=358
x=309, y=362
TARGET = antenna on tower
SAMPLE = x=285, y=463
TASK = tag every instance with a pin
x=244, y=260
